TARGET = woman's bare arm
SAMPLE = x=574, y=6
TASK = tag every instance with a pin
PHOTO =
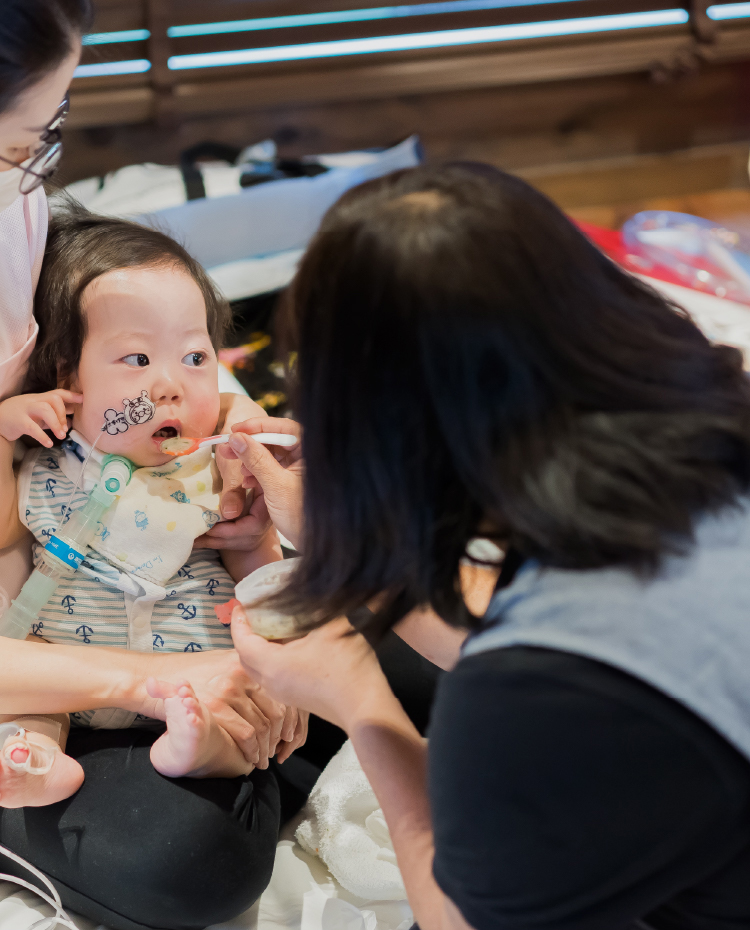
x=50, y=678
x=394, y=759
x=45, y=678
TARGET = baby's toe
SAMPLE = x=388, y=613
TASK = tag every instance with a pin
x=19, y=754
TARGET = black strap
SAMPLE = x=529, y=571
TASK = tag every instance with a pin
x=195, y=189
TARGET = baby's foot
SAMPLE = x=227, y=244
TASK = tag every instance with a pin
x=194, y=744
x=21, y=788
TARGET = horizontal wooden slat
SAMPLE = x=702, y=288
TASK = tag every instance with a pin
x=121, y=51
x=207, y=11
x=730, y=206
x=626, y=179
x=503, y=66
x=191, y=94
x=551, y=60
x=626, y=118
x=293, y=35
x=118, y=106
x=731, y=43
x=118, y=15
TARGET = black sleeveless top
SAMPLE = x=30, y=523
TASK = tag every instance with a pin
x=569, y=795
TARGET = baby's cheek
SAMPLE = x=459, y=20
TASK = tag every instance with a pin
x=205, y=411
x=107, y=425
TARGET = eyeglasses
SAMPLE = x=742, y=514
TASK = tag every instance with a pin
x=48, y=154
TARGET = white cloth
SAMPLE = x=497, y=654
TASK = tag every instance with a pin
x=303, y=895
x=344, y=825
x=260, y=275
x=151, y=528
x=721, y=320
x=104, y=604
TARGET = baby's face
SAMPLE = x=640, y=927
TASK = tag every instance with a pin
x=146, y=332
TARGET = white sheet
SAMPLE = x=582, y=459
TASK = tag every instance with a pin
x=721, y=320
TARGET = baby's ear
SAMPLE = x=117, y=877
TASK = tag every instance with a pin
x=69, y=383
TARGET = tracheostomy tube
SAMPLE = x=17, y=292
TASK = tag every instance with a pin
x=66, y=549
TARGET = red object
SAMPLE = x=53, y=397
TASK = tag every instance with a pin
x=610, y=242
x=224, y=611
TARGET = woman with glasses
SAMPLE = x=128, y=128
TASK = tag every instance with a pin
x=40, y=45
x=210, y=848
x=33, y=107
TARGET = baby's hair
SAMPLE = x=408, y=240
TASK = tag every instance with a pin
x=82, y=247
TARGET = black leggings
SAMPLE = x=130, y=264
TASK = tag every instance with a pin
x=135, y=851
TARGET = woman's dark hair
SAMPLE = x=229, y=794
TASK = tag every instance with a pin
x=35, y=38
x=470, y=364
x=81, y=247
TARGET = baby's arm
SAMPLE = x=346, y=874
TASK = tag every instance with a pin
x=240, y=562
x=26, y=415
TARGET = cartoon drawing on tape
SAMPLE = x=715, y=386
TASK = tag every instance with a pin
x=114, y=422
x=137, y=411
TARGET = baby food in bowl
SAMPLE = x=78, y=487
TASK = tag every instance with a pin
x=260, y=584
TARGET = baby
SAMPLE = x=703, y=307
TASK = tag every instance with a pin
x=129, y=329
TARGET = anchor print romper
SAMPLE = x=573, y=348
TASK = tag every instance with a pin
x=104, y=605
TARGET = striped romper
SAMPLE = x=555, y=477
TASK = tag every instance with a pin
x=103, y=605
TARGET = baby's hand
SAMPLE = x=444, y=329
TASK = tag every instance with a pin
x=30, y=414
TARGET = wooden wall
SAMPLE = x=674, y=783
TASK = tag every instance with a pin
x=587, y=126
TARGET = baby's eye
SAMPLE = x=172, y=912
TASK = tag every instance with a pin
x=195, y=359
x=137, y=360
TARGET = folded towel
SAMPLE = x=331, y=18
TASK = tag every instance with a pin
x=345, y=827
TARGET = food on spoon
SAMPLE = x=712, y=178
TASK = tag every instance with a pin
x=178, y=445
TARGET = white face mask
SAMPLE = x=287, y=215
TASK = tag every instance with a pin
x=10, y=183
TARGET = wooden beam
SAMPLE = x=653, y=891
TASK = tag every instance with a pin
x=173, y=96
x=159, y=18
x=115, y=107
x=628, y=179
x=549, y=61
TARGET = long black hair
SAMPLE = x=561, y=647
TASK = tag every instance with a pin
x=469, y=363
x=35, y=37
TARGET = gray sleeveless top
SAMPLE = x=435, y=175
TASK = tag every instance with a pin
x=685, y=631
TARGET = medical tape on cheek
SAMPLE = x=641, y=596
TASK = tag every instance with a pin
x=40, y=757
x=134, y=413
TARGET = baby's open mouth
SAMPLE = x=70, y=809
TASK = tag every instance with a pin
x=166, y=432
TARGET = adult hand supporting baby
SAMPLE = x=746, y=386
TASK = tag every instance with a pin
x=254, y=720
x=274, y=474
x=246, y=515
